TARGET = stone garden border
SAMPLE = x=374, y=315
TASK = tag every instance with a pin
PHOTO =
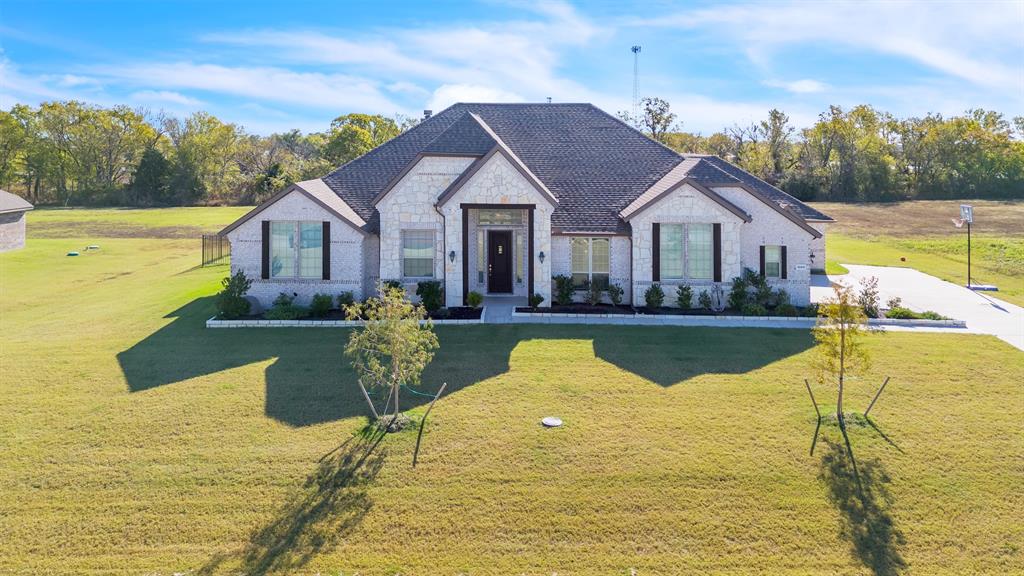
x=706, y=319
x=214, y=322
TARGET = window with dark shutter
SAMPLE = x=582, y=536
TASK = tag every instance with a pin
x=656, y=252
x=762, y=260
x=783, y=258
x=265, y=246
x=326, y=252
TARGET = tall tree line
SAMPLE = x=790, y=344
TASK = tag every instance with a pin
x=864, y=154
x=71, y=153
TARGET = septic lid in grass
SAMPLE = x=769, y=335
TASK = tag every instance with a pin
x=551, y=422
x=72, y=253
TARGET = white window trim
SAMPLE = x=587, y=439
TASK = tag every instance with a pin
x=686, y=252
x=590, y=259
x=433, y=253
x=297, y=251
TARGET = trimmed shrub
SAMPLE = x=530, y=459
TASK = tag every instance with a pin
x=397, y=284
x=320, y=305
x=901, y=313
x=231, y=302
x=654, y=296
x=535, y=300
x=684, y=296
x=738, y=293
x=754, y=309
x=431, y=294
x=786, y=309
x=284, y=309
x=594, y=294
x=346, y=298
x=704, y=300
x=615, y=293
x=563, y=289
x=474, y=299
x=809, y=311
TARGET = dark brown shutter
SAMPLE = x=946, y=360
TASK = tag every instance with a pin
x=326, y=251
x=265, y=266
x=783, y=249
x=655, y=252
x=762, y=261
x=717, y=238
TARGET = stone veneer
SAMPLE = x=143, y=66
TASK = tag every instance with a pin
x=772, y=228
x=409, y=205
x=685, y=205
x=12, y=231
x=818, y=247
x=347, y=249
x=498, y=182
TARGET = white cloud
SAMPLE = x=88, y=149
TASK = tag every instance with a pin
x=978, y=42
x=805, y=86
x=160, y=96
x=449, y=94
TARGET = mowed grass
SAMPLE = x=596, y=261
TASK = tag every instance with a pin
x=187, y=222
x=921, y=235
x=137, y=441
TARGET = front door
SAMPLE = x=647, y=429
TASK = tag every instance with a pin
x=499, y=261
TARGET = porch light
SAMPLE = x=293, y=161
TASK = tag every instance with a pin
x=541, y=256
x=451, y=256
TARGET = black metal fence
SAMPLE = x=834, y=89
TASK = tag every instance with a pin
x=215, y=248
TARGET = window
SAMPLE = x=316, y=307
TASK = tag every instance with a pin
x=296, y=249
x=418, y=253
x=700, y=251
x=500, y=217
x=590, y=262
x=481, y=256
x=671, y=251
x=773, y=261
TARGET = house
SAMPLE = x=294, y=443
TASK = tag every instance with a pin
x=498, y=198
x=12, y=221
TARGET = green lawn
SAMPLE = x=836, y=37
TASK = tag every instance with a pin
x=136, y=441
x=920, y=235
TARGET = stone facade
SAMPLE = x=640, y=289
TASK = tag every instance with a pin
x=619, y=255
x=410, y=205
x=818, y=247
x=347, y=253
x=498, y=183
x=685, y=205
x=12, y=231
x=771, y=228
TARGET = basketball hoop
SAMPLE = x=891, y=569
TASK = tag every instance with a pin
x=959, y=222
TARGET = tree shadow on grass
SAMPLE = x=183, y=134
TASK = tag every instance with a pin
x=860, y=493
x=331, y=504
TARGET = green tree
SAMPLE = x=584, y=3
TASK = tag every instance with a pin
x=151, y=182
x=353, y=135
x=393, y=348
x=839, y=334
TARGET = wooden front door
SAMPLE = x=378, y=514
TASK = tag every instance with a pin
x=499, y=261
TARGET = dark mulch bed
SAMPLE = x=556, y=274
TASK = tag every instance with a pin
x=457, y=313
x=580, y=309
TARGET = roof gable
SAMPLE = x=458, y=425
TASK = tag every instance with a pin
x=317, y=191
x=13, y=203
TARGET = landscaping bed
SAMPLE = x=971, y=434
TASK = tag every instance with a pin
x=579, y=309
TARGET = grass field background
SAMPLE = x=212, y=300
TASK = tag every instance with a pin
x=921, y=235
x=137, y=441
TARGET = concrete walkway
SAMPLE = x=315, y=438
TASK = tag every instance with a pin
x=983, y=311
x=498, y=309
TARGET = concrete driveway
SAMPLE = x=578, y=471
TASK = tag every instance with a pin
x=983, y=312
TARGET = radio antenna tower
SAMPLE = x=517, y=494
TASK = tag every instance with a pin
x=636, y=82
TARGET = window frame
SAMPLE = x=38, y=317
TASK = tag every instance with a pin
x=433, y=252
x=296, y=250
x=691, y=251
x=686, y=251
x=590, y=261
x=768, y=261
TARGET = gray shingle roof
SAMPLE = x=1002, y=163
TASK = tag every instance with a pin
x=12, y=203
x=774, y=194
x=594, y=164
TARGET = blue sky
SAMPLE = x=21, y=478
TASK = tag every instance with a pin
x=275, y=66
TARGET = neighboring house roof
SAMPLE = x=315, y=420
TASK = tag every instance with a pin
x=317, y=191
x=592, y=163
x=13, y=203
